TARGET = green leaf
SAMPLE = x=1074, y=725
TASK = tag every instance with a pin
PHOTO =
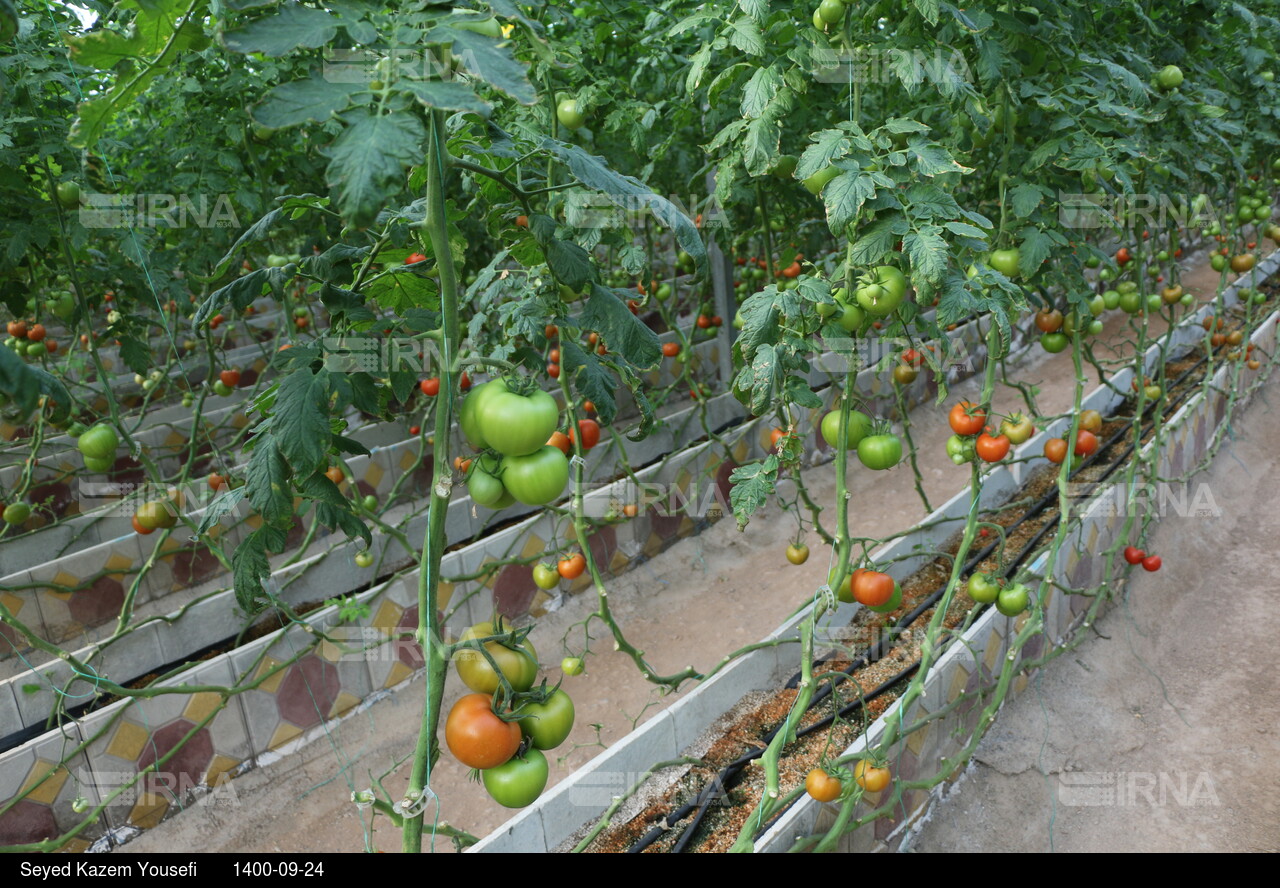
x=223, y=504
x=760, y=145
x=267, y=478
x=258, y=231
x=755, y=8
x=760, y=380
x=828, y=146
x=295, y=25
x=368, y=160
x=1025, y=198
x=932, y=160
x=241, y=292
x=249, y=566
x=753, y=484
x=877, y=239
x=844, y=197
x=135, y=354
x=745, y=34
x=928, y=9
x=17, y=382
x=1034, y=249
x=627, y=192
x=343, y=519
x=301, y=427
x=927, y=251
x=590, y=379
x=299, y=101
x=489, y=60
x=759, y=91
x=625, y=334
x=451, y=95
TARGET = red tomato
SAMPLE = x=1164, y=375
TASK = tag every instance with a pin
x=430, y=387
x=992, y=449
x=967, y=418
x=589, y=429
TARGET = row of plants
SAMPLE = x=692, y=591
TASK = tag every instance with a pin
x=522, y=196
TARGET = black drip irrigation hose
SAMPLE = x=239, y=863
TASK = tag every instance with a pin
x=719, y=786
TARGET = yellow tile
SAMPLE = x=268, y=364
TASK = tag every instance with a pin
x=201, y=706
x=220, y=770
x=149, y=810
x=387, y=616
x=45, y=781
x=374, y=473
x=12, y=603
x=128, y=742
x=239, y=421
x=444, y=594
x=619, y=561
x=408, y=459
x=118, y=563
x=398, y=673
x=915, y=740
x=959, y=679
x=533, y=546
x=272, y=684
x=75, y=846
x=283, y=734
x=344, y=702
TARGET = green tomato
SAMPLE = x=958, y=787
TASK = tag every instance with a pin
x=1095, y=327
x=815, y=183
x=831, y=11
x=1005, y=262
x=880, y=452
x=1097, y=305
x=983, y=588
x=1131, y=303
x=99, y=442
x=859, y=427
x=469, y=412
x=571, y=666
x=663, y=292
x=1018, y=428
x=826, y=309
x=370, y=503
x=94, y=464
x=68, y=194
x=1106, y=274
x=545, y=576
x=1218, y=262
x=881, y=290
x=36, y=349
x=1054, y=342
x=1154, y=303
x=488, y=27
x=961, y=449
x=1111, y=299
x=519, y=666
x=851, y=317
x=1170, y=77
x=364, y=559
x=519, y=782
x=16, y=513
x=483, y=485
x=1092, y=262
x=1013, y=599
x=570, y=115
x=548, y=724
x=843, y=592
x=221, y=388
x=537, y=478
x=785, y=166
x=515, y=425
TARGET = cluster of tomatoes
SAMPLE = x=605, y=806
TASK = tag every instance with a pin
x=523, y=457
x=1010, y=599
x=828, y=784
x=29, y=341
x=1134, y=555
x=973, y=440
x=1231, y=341
x=876, y=445
x=506, y=745
x=1087, y=428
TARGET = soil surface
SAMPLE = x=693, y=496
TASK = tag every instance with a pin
x=716, y=592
